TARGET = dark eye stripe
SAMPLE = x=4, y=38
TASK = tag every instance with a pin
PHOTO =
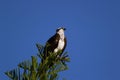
x=57, y=30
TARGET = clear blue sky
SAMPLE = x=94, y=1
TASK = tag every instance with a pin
x=93, y=33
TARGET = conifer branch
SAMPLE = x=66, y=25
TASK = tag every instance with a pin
x=38, y=69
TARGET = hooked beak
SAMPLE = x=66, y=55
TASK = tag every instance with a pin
x=64, y=28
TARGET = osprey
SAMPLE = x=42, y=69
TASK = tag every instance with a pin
x=56, y=43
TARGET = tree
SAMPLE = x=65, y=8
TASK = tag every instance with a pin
x=36, y=69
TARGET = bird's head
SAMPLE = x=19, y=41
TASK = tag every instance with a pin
x=60, y=29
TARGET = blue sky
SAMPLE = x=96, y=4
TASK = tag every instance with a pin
x=93, y=33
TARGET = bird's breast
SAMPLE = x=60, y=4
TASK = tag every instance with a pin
x=60, y=46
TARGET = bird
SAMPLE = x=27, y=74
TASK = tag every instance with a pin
x=57, y=43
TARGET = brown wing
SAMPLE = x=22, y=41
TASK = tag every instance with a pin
x=51, y=44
